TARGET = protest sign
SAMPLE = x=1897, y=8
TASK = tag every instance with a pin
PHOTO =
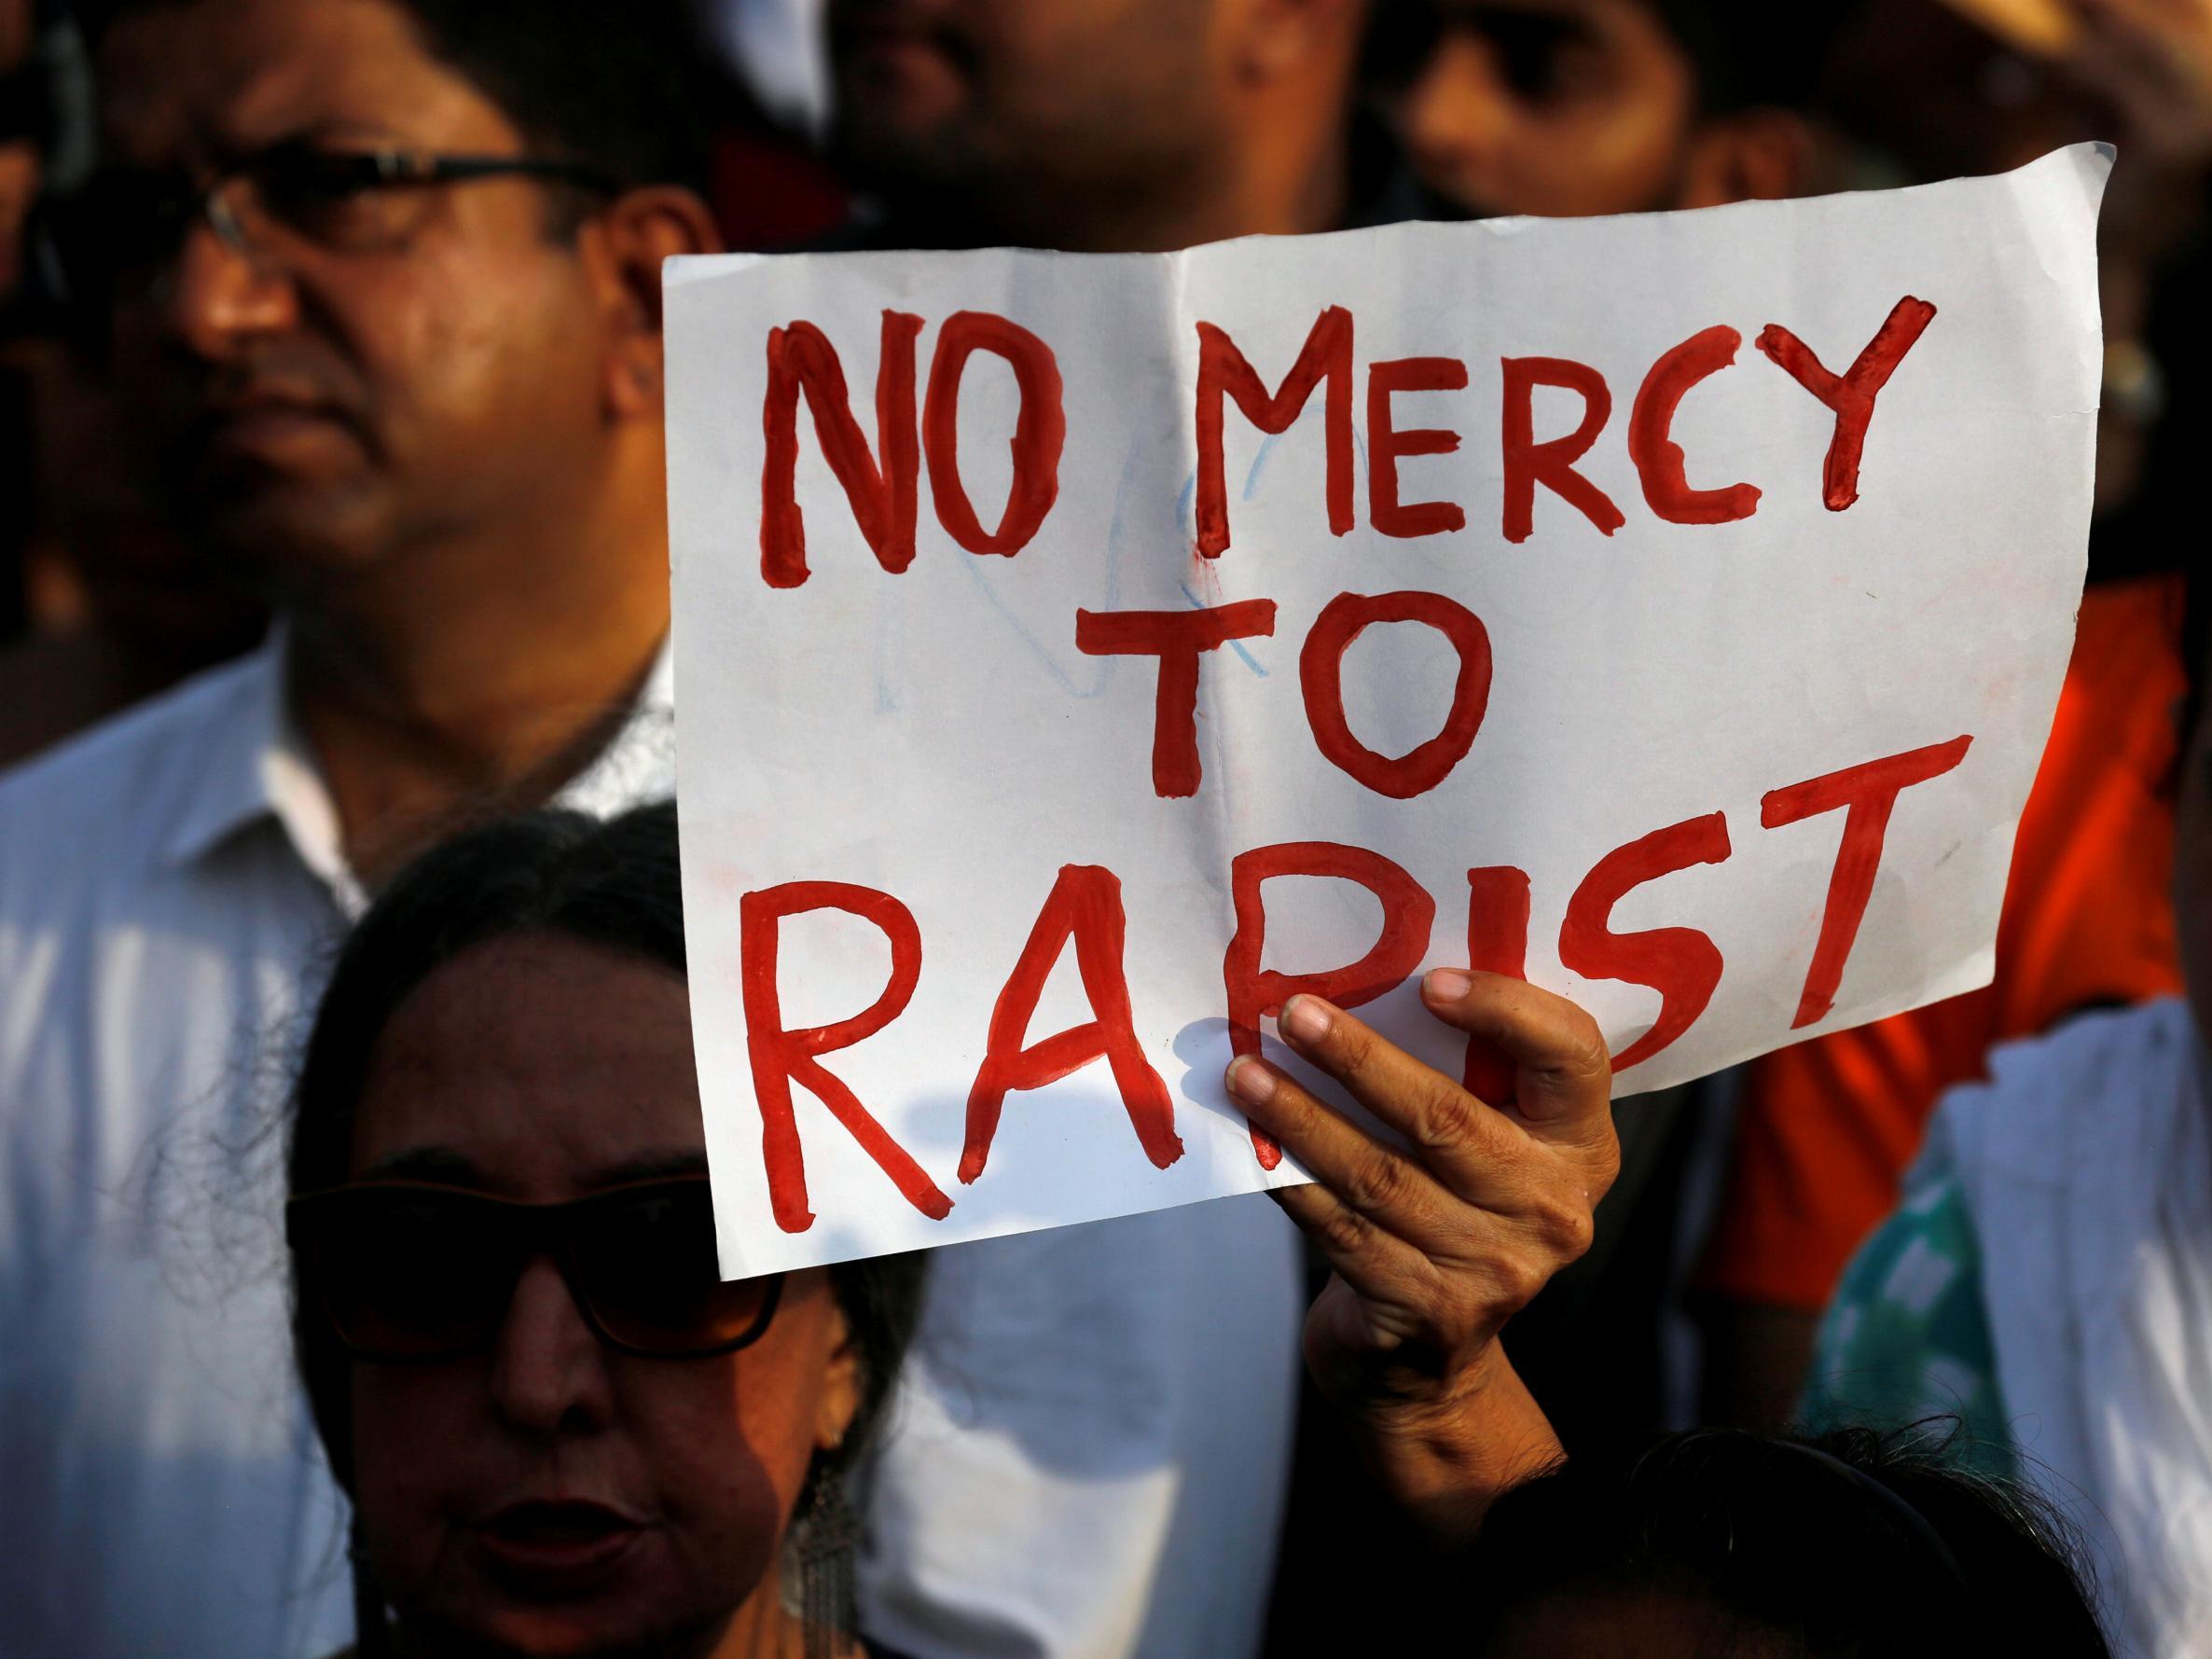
x=1077, y=655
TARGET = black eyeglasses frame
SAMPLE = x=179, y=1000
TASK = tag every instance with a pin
x=60, y=222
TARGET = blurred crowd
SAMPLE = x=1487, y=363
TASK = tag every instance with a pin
x=356, y=1277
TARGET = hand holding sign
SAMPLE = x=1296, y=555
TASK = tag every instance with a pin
x=1436, y=1246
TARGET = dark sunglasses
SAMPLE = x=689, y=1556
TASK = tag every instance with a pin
x=126, y=223
x=406, y=1271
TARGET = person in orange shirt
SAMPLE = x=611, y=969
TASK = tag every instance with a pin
x=1827, y=1128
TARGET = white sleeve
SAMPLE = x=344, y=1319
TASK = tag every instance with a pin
x=1089, y=1450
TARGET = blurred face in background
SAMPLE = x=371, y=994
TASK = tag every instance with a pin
x=363, y=376
x=1554, y=108
x=1094, y=97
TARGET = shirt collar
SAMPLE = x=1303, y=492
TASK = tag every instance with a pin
x=639, y=762
x=231, y=789
x=257, y=765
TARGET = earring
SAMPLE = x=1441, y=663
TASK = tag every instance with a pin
x=826, y=1538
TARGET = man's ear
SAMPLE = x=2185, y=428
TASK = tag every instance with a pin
x=623, y=245
x=1270, y=39
x=1751, y=154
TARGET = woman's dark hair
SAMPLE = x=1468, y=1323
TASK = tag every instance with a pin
x=613, y=883
x=1854, y=1545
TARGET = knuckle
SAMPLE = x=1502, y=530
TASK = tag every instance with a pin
x=1567, y=1228
x=1443, y=1128
x=1578, y=1232
x=1343, y=1232
x=1376, y=1182
x=1513, y=1283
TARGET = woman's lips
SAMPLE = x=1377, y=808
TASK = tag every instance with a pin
x=557, y=1546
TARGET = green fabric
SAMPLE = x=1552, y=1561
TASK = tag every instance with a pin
x=1907, y=1340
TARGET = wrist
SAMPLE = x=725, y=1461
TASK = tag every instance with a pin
x=1446, y=1455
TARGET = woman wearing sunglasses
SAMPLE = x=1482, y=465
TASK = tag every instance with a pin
x=562, y=1432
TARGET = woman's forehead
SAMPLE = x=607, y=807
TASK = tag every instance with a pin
x=537, y=1060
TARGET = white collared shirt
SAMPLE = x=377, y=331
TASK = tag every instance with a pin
x=173, y=888
x=1089, y=1458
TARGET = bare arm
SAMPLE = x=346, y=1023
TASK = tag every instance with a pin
x=1436, y=1247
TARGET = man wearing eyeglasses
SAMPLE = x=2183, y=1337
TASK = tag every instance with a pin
x=381, y=280
x=395, y=343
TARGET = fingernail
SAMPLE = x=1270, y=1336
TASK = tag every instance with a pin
x=1446, y=985
x=1249, y=1081
x=1305, y=1018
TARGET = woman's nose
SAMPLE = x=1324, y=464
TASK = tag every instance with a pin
x=549, y=1373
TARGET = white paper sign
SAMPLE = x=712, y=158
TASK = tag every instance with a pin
x=1077, y=654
